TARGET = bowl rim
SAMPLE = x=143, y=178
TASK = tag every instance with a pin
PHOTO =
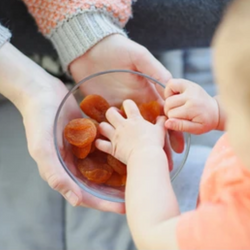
x=82, y=186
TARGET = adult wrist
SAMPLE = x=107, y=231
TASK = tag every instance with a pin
x=80, y=33
x=20, y=78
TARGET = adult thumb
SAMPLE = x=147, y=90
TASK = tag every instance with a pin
x=146, y=63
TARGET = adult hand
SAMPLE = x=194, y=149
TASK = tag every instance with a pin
x=38, y=95
x=119, y=52
x=38, y=116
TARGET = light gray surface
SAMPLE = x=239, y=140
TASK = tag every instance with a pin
x=34, y=217
x=24, y=198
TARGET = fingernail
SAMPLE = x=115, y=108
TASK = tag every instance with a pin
x=72, y=198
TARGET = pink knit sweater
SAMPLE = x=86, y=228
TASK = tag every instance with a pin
x=74, y=26
x=50, y=14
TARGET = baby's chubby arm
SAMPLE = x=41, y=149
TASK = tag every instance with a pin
x=150, y=201
x=190, y=109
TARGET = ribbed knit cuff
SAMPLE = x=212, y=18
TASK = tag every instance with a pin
x=81, y=32
x=5, y=35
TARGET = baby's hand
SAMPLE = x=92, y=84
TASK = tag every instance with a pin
x=189, y=108
x=130, y=135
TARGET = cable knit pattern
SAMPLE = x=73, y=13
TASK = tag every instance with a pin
x=50, y=14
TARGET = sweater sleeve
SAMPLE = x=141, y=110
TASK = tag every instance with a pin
x=76, y=26
x=5, y=35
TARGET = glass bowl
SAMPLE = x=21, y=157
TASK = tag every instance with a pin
x=69, y=109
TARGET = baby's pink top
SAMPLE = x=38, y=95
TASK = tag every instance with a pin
x=222, y=218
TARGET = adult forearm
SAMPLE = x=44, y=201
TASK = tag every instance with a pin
x=147, y=202
x=12, y=72
x=16, y=71
x=18, y=75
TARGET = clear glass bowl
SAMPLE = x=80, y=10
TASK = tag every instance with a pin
x=76, y=94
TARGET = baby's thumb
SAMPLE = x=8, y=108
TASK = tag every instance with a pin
x=182, y=126
x=161, y=120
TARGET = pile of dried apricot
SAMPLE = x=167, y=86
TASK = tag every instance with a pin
x=81, y=134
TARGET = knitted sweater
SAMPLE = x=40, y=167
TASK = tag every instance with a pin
x=74, y=26
x=157, y=24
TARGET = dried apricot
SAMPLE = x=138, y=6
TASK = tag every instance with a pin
x=80, y=132
x=99, y=156
x=150, y=111
x=116, y=180
x=81, y=152
x=94, y=168
x=95, y=107
x=118, y=166
x=98, y=135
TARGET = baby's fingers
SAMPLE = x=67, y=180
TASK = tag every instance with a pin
x=175, y=86
x=106, y=130
x=104, y=146
x=160, y=121
x=184, y=126
x=180, y=113
x=174, y=101
x=114, y=117
x=131, y=109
